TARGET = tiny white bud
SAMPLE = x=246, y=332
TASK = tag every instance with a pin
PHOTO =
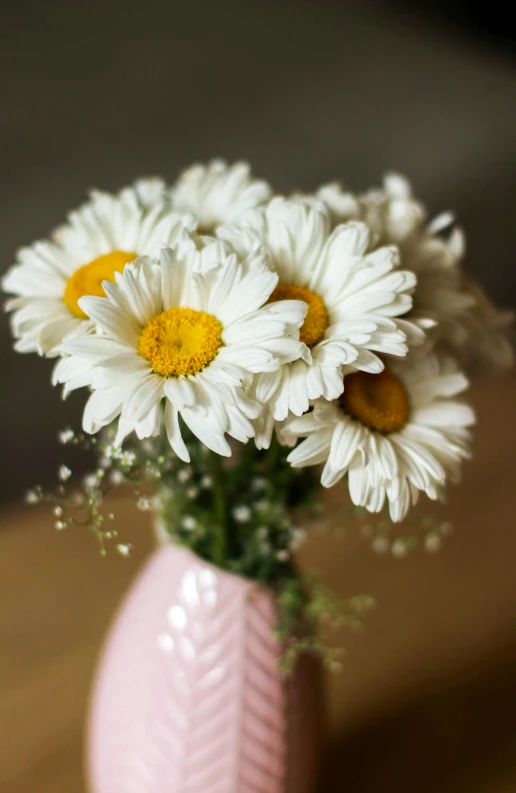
x=144, y=504
x=64, y=473
x=90, y=481
x=258, y=483
x=58, y=511
x=283, y=555
x=262, y=532
x=433, y=543
x=192, y=493
x=446, y=528
x=123, y=549
x=206, y=482
x=60, y=524
x=188, y=523
x=298, y=538
x=242, y=514
x=31, y=497
x=399, y=549
x=66, y=435
x=380, y=545
x=184, y=475
x=116, y=477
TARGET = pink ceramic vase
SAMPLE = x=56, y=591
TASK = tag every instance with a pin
x=189, y=697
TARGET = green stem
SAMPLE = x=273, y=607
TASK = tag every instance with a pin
x=273, y=455
x=219, y=498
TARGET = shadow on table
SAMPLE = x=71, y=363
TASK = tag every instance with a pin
x=458, y=736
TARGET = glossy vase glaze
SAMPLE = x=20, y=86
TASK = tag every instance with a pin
x=189, y=698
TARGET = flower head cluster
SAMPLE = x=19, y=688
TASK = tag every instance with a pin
x=335, y=322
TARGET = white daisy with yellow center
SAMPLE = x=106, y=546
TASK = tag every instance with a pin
x=191, y=339
x=98, y=241
x=355, y=302
x=218, y=194
x=395, y=434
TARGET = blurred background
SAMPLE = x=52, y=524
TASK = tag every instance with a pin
x=96, y=94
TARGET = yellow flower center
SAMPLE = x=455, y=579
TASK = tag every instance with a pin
x=180, y=341
x=87, y=280
x=378, y=401
x=206, y=229
x=316, y=320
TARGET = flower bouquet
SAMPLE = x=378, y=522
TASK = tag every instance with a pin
x=238, y=349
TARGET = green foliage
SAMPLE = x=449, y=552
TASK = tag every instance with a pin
x=309, y=613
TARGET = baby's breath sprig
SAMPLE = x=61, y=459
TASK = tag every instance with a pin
x=399, y=540
x=309, y=613
x=253, y=514
x=81, y=505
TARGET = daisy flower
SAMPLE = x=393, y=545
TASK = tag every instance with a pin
x=354, y=298
x=447, y=303
x=395, y=434
x=395, y=217
x=192, y=339
x=218, y=194
x=98, y=240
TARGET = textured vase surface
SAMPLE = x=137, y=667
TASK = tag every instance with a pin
x=189, y=697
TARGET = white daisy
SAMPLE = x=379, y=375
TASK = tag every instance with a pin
x=395, y=434
x=452, y=308
x=98, y=240
x=440, y=297
x=218, y=194
x=447, y=302
x=191, y=338
x=354, y=299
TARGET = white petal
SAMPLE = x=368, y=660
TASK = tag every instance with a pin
x=174, y=432
x=145, y=393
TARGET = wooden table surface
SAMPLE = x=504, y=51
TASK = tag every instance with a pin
x=427, y=698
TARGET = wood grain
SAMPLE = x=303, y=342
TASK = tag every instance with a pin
x=427, y=698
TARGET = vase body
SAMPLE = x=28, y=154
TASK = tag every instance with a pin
x=189, y=697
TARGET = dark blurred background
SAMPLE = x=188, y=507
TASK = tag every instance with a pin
x=98, y=93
